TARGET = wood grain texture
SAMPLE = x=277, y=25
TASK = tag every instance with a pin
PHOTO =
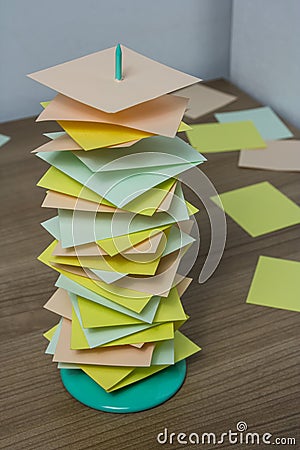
x=246, y=371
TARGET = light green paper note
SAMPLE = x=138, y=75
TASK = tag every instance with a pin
x=58, y=181
x=53, y=338
x=80, y=227
x=145, y=153
x=259, y=208
x=264, y=118
x=225, y=137
x=3, y=139
x=146, y=315
x=119, y=187
x=276, y=284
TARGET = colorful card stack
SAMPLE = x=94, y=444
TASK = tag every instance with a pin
x=122, y=226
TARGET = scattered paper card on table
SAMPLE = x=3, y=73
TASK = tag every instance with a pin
x=279, y=155
x=146, y=79
x=224, y=137
x=259, y=208
x=276, y=284
x=159, y=116
x=3, y=139
x=265, y=119
x=203, y=99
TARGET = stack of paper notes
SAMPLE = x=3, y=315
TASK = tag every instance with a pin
x=123, y=224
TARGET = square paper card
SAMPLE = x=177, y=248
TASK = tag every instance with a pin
x=224, y=137
x=3, y=139
x=259, y=208
x=279, y=155
x=90, y=80
x=203, y=100
x=276, y=284
x=266, y=121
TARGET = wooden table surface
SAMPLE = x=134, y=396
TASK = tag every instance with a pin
x=246, y=371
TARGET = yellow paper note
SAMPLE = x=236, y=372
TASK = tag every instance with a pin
x=118, y=244
x=112, y=264
x=90, y=135
x=45, y=104
x=156, y=333
x=109, y=378
x=259, y=208
x=191, y=208
x=178, y=324
x=78, y=339
x=94, y=315
x=50, y=333
x=126, y=297
x=153, y=334
x=224, y=137
x=184, y=348
x=147, y=203
x=106, y=376
x=57, y=181
x=276, y=284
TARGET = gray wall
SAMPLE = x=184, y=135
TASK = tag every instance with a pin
x=190, y=35
x=265, y=53
x=258, y=45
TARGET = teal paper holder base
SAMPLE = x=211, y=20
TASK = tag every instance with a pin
x=139, y=396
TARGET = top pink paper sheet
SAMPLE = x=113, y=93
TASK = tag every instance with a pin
x=90, y=80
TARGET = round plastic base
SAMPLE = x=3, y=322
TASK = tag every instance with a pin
x=139, y=396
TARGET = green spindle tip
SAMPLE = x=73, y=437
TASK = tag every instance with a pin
x=118, y=63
